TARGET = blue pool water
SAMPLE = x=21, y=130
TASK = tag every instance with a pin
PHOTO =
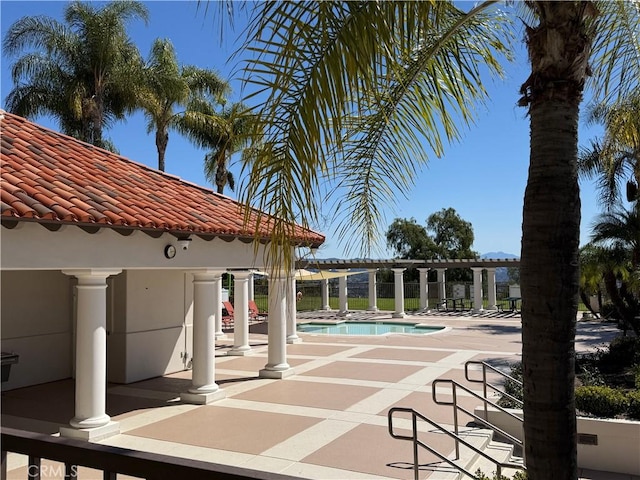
x=366, y=328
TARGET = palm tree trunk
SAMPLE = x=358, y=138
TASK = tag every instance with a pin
x=162, y=140
x=221, y=172
x=550, y=285
x=559, y=51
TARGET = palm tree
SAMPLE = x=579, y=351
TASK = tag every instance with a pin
x=167, y=86
x=354, y=88
x=234, y=138
x=224, y=133
x=616, y=158
x=618, y=233
x=593, y=263
x=80, y=72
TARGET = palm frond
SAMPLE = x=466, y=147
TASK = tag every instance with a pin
x=616, y=50
x=349, y=84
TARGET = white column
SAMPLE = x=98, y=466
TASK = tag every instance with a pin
x=398, y=287
x=277, y=366
x=204, y=388
x=424, y=289
x=241, y=314
x=291, y=299
x=477, y=289
x=343, y=296
x=252, y=295
x=373, y=296
x=491, y=288
x=324, y=289
x=91, y=421
x=217, y=304
x=441, y=278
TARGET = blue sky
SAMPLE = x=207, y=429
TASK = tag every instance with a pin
x=482, y=177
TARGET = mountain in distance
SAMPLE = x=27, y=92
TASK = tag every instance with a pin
x=501, y=272
x=498, y=255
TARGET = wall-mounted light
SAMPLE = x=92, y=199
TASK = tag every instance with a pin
x=184, y=242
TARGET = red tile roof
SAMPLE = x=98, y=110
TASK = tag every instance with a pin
x=49, y=178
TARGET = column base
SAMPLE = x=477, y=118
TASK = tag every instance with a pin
x=478, y=310
x=344, y=314
x=398, y=315
x=372, y=309
x=220, y=335
x=294, y=339
x=240, y=352
x=91, y=434
x=276, y=374
x=202, y=398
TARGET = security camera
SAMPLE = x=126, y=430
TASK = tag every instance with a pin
x=184, y=243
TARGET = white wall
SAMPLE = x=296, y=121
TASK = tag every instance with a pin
x=36, y=320
x=618, y=448
x=31, y=246
x=157, y=308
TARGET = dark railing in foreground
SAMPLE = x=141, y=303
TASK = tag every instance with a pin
x=115, y=460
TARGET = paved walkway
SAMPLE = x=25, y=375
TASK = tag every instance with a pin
x=329, y=421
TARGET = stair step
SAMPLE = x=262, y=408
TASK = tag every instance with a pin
x=479, y=438
x=501, y=452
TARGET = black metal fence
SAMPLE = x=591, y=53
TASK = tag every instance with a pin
x=112, y=461
x=358, y=294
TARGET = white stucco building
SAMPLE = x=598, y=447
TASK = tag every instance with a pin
x=111, y=271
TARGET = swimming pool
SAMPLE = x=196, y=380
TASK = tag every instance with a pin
x=366, y=328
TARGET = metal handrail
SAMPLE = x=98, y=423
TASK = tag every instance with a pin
x=416, y=443
x=455, y=386
x=486, y=384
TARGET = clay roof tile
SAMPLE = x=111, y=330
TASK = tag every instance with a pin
x=52, y=177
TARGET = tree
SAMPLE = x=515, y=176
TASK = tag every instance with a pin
x=410, y=240
x=353, y=87
x=618, y=233
x=83, y=72
x=447, y=235
x=616, y=158
x=232, y=138
x=452, y=234
x=167, y=86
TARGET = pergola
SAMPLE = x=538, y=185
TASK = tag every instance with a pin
x=342, y=268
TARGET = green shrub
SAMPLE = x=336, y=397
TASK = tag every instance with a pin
x=609, y=311
x=633, y=410
x=519, y=475
x=636, y=375
x=512, y=388
x=590, y=375
x=623, y=352
x=601, y=401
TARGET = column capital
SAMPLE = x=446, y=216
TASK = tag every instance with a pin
x=240, y=274
x=398, y=270
x=206, y=275
x=97, y=273
x=477, y=269
x=423, y=269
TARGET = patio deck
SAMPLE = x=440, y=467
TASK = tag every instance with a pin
x=326, y=422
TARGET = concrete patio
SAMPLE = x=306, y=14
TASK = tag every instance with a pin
x=328, y=421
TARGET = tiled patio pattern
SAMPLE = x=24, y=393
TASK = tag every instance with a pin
x=329, y=421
